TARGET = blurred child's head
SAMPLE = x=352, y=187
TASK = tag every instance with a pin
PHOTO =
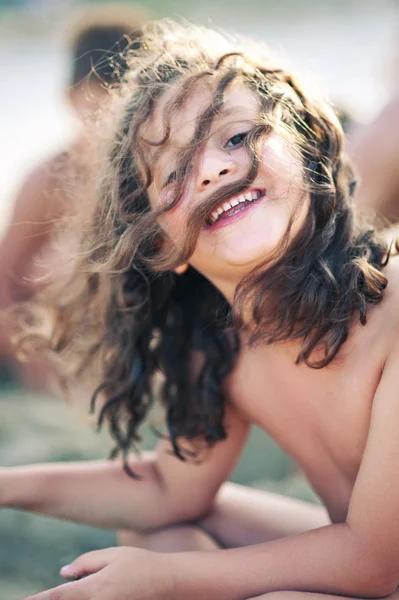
x=98, y=38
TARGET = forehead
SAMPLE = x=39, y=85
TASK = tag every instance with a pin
x=240, y=102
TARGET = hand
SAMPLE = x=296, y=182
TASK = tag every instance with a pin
x=115, y=574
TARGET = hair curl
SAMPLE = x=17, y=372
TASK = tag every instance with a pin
x=124, y=316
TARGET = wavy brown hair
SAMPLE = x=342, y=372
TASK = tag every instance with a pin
x=124, y=316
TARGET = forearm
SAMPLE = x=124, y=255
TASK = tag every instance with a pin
x=327, y=560
x=243, y=516
x=97, y=493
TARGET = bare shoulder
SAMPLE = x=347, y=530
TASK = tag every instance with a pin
x=389, y=117
x=387, y=312
x=382, y=129
x=36, y=202
x=49, y=170
x=37, y=182
x=392, y=273
x=43, y=182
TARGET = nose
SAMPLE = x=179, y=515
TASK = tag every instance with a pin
x=214, y=167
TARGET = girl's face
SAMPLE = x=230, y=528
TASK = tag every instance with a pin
x=243, y=232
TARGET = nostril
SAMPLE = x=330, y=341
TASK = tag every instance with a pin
x=206, y=182
x=224, y=172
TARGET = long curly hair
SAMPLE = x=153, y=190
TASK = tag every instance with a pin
x=124, y=321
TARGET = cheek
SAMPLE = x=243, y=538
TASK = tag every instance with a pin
x=175, y=222
x=170, y=222
x=279, y=164
x=283, y=175
x=166, y=197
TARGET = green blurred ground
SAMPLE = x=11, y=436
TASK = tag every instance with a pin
x=39, y=429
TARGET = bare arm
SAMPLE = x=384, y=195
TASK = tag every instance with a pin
x=243, y=516
x=100, y=493
x=36, y=206
x=357, y=558
x=375, y=151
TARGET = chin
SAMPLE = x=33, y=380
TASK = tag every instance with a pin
x=250, y=248
x=248, y=258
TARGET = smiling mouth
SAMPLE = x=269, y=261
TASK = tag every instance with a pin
x=231, y=207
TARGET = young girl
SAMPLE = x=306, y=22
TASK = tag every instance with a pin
x=223, y=268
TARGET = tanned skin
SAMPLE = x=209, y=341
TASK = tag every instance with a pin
x=339, y=423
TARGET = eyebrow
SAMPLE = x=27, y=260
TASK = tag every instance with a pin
x=226, y=112
x=218, y=116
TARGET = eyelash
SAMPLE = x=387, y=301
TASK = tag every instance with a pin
x=173, y=176
x=237, y=135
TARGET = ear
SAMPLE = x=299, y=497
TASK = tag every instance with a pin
x=181, y=269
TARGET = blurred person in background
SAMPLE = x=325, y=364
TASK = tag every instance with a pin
x=97, y=38
x=375, y=151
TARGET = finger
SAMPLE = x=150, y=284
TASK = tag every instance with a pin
x=89, y=563
x=69, y=591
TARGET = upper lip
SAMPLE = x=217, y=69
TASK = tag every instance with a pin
x=249, y=194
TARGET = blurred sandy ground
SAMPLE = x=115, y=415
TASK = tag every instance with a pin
x=348, y=45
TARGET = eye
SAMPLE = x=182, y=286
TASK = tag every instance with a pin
x=237, y=140
x=172, y=177
x=175, y=176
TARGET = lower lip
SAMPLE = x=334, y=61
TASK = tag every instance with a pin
x=235, y=217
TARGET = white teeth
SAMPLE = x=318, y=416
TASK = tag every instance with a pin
x=247, y=197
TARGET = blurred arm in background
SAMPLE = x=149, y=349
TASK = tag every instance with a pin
x=375, y=151
x=36, y=207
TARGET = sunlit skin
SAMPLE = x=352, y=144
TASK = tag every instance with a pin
x=339, y=423
x=86, y=99
x=229, y=250
x=320, y=417
x=340, y=394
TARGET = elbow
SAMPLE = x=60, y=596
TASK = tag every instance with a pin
x=191, y=510
x=374, y=578
x=385, y=582
x=376, y=587
x=194, y=511
x=206, y=507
